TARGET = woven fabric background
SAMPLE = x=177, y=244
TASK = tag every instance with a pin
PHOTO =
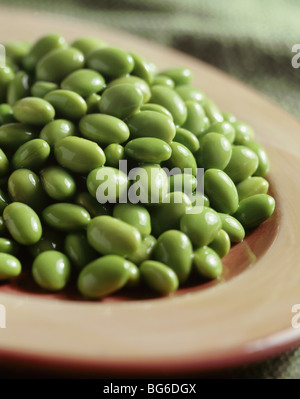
x=249, y=39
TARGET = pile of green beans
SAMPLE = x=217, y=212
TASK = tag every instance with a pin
x=70, y=113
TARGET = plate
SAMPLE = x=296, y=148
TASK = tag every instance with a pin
x=244, y=317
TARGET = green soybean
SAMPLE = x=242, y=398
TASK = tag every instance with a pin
x=92, y=102
x=33, y=110
x=187, y=138
x=156, y=108
x=243, y=163
x=43, y=46
x=59, y=63
x=182, y=158
x=221, y=244
x=212, y=111
x=57, y=130
x=67, y=104
x=243, y=132
x=174, y=249
x=215, y=152
x=78, y=154
x=135, y=81
x=18, y=88
x=4, y=200
x=195, y=120
x=103, y=129
x=66, y=216
x=31, y=155
x=142, y=68
x=163, y=80
x=3, y=230
x=187, y=93
x=224, y=128
x=51, y=240
x=22, y=223
x=159, y=277
x=110, y=61
x=6, y=76
x=10, y=266
x=84, y=82
x=121, y=100
x=179, y=75
x=228, y=117
x=255, y=210
x=221, y=191
x=8, y=246
x=169, y=99
x=183, y=182
x=13, y=135
x=6, y=114
x=51, y=270
x=4, y=164
x=78, y=250
x=151, y=124
x=232, y=227
x=148, y=149
x=108, y=235
x=251, y=186
x=87, y=44
x=263, y=160
x=135, y=215
x=207, y=263
x=58, y=183
x=94, y=208
x=25, y=186
x=144, y=251
x=201, y=227
x=114, y=153
x=103, y=276
x=41, y=88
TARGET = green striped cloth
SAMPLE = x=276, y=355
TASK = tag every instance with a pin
x=250, y=39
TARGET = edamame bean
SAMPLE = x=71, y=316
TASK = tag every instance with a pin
x=179, y=75
x=182, y=158
x=84, y=82
x=33, y=110
x=18, y=88
x=78, y=154
x=263, y=161
x=135, y=81
x=159, y=277
x=4, y=164
x=224, y=128
x=174, y=249
x=10, y=266
x=51, y=270
x=212, y=111
x=201, y=227
x=142, y=68
x=243, y=133
x=87, y=44
x=110, y=61
x=148, y=149
x=195, y=120
x=31, y=155
x=90, y=203
x=13, y=135
x=108, y=235
x=144, y=251
x=51, y=240
x=22, y=223
x=4, y=201
x=187, y=93
x=103, y=129
x=41, y=88
x=121, y=101
x=114, y=153
x=78, y=250
x=221, y=244
x=107, y=184
x=57, y=130
x=169, y=99
x=254, y=210
x=103, y=276
x=228, y=117
x=187, y=138
x=58, y=183
x=232, y=227
x=243, y=163
x=8, y=246
x=183, y=182
x=135, y=215
x=221, y=191
x=67, y=104
x=92, y=103
x=16, y=50
x=163, y=80
x=6, y=76
x=156, y=108
x=3, y=230
x=25, y=186
x=42, y=47
x=167, y=215
x=134, y=275
x=66, y=216
x=151, y=124
x=251, y=186
x=58, y=64
x=207, y=263
x=215, y=152
x=6, y=114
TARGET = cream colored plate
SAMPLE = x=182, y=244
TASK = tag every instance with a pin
x=247, y=317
